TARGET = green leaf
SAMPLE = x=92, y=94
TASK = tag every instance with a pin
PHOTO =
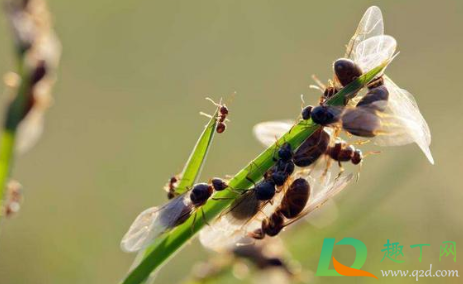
x=192, y=168
x=194, y=165
x=171, y=242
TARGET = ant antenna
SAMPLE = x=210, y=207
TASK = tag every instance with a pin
x=318, y=82
x=302, y=101
x=214, y=103
x=205, y=114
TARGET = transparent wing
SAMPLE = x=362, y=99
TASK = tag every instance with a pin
x=400, y=123
x=268, y=132
x=402, y=105
x=328, y=192
x=154, y=221
x=319, y=180
x=142, y=230
x=370, y=25
x=233, y=227
x=374, y=51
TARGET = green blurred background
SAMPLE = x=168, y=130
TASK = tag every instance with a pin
x=133, y=78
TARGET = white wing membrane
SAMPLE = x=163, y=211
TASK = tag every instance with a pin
x=374, y=51
x=402, y=105
x=370, y=25
x=142, y=230
x=153, y=222
x=268, y=132
x=228, y=231
x=404, y=124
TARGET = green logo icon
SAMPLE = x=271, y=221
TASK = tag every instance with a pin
x=340, y=269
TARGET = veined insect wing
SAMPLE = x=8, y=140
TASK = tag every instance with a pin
x=268, y=132
x=413, y=126
x=154, y=221
x=325, y=194
x=374, y=51
x=141, y=231
x=370, y=25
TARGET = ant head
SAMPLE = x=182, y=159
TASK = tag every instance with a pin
x=285, y=152
x=218, y=184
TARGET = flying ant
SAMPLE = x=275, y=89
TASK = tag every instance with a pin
x=292, y=204
x=342, y=152
x=296, y=205
x=155, y=221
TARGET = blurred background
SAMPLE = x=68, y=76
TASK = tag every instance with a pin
x=133, y=78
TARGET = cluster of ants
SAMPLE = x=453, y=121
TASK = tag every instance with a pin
x=384, y=111
x=296, y=194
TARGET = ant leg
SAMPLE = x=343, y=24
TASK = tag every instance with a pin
x=204, y=217
x=250, y=180
x=316, y=88
x=369, y=153
x=328, y=166
x=274, y=155
x=376, y=83
x=341, y=170
x=358, y=173
x=237, y=191
x=253, y=164
x=221, y=198
x=193, y=224
x=361, y=142
x=318, y=82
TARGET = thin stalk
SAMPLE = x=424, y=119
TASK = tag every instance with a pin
x=6, y=160
x=195, y=163
x=14, y=115
x=166, y=246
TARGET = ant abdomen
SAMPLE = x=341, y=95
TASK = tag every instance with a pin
x=311, y=149
x=273, y=225
x=295, y=198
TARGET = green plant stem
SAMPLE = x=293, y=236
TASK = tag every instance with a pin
x=166, y=246
x=196, y=160
x=194, y=165
x=6, y=158
x=14, y=115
